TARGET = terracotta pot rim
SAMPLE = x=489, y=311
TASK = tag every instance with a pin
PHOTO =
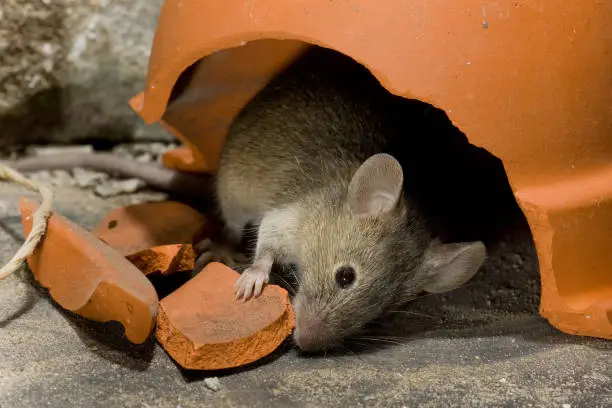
x=161, y=83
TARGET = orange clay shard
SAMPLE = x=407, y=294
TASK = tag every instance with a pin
x=89, y=278
x=203, y=327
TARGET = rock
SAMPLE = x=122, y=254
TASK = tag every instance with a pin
x=143, y=151
x=212, y=383
x=73, y=65
x=55, y=178
x=42, y=177
x=122, y=150
x=144, y=158
x=160, y=148
x=61, y=178
x=117, y=187
x=128, y=186
x=87, y=178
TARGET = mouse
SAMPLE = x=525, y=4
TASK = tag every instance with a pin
x=324, y=162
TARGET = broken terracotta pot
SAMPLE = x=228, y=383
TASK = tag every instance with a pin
x=89, y=278
x=203, y=327
x=137, y=228
x=522, y=80
x=165, y=259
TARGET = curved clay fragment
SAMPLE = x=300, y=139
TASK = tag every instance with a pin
x=165, y=259
x=139, y=227
x=89, y=278
x=203, y=327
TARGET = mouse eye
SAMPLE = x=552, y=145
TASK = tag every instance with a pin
x=345, y=276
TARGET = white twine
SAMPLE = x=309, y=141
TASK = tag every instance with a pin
x=39, y=223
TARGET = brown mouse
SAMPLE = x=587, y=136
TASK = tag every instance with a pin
x=322, y=162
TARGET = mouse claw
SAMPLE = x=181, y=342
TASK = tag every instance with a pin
x=239, y=292
x=251, y=282
x=203, y=245
x=248, y=292
x=208, y=251
x=201, y=261
x=259, y=285
x=241, y=288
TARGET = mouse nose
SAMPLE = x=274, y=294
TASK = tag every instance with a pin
x=310, y=334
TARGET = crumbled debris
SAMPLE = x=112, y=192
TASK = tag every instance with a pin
x=144, y=158
x=85, y=178
x=55, y=178
x=212, y=383
x=117, y=187
x=143, y=151
x=122, y=151
x=42, y=177
x=99, y=183
x=62, y=178
x=145, y=197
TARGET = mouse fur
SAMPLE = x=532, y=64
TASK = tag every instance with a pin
x=322, y=160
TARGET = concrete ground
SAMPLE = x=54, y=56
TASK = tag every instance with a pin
x=481, y=346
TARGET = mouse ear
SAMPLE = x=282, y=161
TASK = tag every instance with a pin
x=449, y=266
x=376, y=187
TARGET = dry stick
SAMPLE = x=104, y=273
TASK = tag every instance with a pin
x=39, y=224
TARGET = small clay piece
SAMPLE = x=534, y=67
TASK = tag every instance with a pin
x=165, y=259
x=139, y=227
x=89, y=278
x=203, y=327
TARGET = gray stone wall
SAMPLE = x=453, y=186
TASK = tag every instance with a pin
x=69, y=67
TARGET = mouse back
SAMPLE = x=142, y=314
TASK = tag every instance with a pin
x=312, y=126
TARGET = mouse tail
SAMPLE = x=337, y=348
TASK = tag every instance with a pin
x=154, y=175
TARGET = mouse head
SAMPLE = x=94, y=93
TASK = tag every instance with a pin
x=370, y=252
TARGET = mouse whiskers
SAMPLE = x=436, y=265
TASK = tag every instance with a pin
x=382, y=339
x=410, y=312
x=364, y=345
x=290, y=288
x=295, y=276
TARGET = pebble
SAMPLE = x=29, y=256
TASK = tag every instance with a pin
x=87, y=178
x=61, y=178
x=147, y=150
x=144, y=158
x=42, y=177
x=122, y=151
x=117, y=187
x=212, y=383
x=160, y=148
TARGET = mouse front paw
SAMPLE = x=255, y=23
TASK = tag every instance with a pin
x=253, y=280
x=209, y=251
